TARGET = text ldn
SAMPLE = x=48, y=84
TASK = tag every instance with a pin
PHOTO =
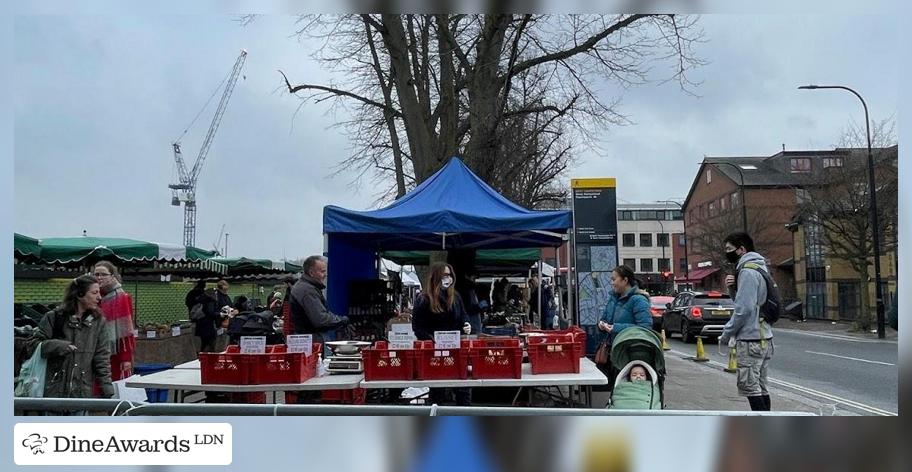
x=208, y=439
x=71, y=444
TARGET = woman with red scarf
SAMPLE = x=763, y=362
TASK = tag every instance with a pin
x=117, y=307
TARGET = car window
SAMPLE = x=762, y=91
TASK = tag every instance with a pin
x=709, y=300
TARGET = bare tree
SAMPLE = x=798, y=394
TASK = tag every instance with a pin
x=517, y=96
x=839, y=205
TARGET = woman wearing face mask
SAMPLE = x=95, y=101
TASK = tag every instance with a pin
x=440, y=308
x=75, y=340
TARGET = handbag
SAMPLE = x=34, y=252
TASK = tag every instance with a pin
x=603, y=353
x=30, y=382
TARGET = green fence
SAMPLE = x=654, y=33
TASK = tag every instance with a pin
x=155, y=302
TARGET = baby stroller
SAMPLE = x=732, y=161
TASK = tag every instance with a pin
x=249, y=323
x=632, y=347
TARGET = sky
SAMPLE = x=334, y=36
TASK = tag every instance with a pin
x=98, y=99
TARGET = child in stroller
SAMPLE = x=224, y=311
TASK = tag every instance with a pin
x=637, y=351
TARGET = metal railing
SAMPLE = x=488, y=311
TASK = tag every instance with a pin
x=23, y=406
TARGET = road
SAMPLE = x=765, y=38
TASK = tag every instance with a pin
x=860, y=375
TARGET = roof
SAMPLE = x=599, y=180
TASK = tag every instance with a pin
x=772, y=171
x=697, y=275
x=452, y=209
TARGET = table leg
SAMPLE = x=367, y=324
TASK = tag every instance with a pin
x=516, y=397
x=589, y=396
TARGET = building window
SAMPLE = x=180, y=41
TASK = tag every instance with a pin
x=662, y=239
x=736, y=200
x=631, y=263
x=682, y=265
x=832, y=162
x=664, y=265
x=722, y=205
x=682, y=240
x=645, y=239
x=629, y=240
x=645, y=265
x=709, y=175
x=625, y=215
x=677, y=215
x=800, y=165
x=712, y=209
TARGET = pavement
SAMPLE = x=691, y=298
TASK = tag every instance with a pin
x=839, y=328
x=705, y=386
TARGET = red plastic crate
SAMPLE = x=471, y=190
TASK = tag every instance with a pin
x=578, y=333
x=226, y=368
x=277, y=366
x=381, y=363
x=355, y=396
x=441, y=364
x=554, y=354
x=496, y=358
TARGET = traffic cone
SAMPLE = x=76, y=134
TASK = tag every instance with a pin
x=701, y=354
x=732, y=361
x=665, y=346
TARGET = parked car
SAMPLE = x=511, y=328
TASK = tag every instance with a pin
x=698, y=313
x=659, y=305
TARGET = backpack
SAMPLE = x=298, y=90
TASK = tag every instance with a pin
x=771, y=308
x=197, y=312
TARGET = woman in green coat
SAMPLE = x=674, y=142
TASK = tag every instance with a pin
x=74, y=339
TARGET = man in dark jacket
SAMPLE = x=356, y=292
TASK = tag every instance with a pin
x=214, y=303
x=308, y=305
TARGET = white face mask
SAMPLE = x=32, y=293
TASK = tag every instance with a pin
x=446, y=282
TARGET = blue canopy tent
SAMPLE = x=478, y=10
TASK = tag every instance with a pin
x=453, y=209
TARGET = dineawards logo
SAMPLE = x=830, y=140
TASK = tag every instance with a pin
x=122, y=443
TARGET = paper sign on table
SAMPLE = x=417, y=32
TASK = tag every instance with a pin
x=446, y=339
x=175, y=331
x=253, y=344
x=300, y=343
x=402, y=328
x=150, y=334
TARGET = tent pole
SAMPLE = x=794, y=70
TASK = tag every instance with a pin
x=560, y=303
x=538, y=295
x=571, y=279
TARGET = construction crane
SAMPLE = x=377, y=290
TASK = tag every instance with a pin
x=185, y=191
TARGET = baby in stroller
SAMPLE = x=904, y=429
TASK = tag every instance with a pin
x=637, y=357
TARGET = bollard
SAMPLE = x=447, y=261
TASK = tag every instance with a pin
x=732, y=361
x=701, y=354
x=665, y=346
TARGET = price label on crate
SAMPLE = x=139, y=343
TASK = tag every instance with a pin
x=150, y=334
x=402, y=345
x=300, y=343
x=175, y=331
x=446, y=339
x=253, y=344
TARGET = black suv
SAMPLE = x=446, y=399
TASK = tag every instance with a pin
x=698, y=314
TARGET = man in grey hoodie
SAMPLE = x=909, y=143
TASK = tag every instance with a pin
x=751, y=336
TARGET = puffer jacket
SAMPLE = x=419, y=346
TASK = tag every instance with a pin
x=73, y=374
x=629, y=309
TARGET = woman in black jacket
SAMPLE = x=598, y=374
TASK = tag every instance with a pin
x=440, y=308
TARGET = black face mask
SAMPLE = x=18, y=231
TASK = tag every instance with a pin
x=732, y=256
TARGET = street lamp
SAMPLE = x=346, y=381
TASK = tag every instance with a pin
x=743, y=195
x=872, y=189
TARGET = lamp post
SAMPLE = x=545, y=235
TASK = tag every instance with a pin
x=686, y=242
x=743, y=195
x=872, y=189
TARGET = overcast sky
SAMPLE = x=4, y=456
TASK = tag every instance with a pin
x=98, y=100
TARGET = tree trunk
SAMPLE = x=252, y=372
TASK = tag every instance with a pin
x=863, y=322
x=484, y=110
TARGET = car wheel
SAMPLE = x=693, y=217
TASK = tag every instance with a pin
x=686, y=335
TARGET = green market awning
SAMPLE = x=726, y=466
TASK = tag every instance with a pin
x=87, y=249
x=243, y=266
x=25, y=247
